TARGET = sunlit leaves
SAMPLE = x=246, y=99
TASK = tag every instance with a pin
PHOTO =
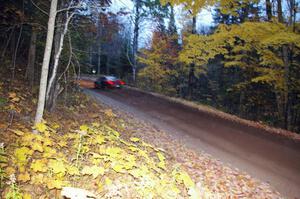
x=94, y=170
x=183, y=177
x=21, y=155
x=18, y=132
x=117, y=168
x=84, y=128
x=49, y=152
x=27, y=139
x=198, y=50
x=39, y=165
x=96, y=124
x=62, y=143
x=114, y=152
x=253, y=47
x=114, y=132
x=160, y=61
x=161, y=163
x=99, y=139
x=55, y=184
x=24, y=177
x=134, y=139
x=41, y=127
x=109, y=113
x=37, y=179
x=13, y=97
x=133, y=149
x=72, y=170
x=226, y=6
x=139, y=172
x=130, y=162
x=27, y=196
x=57, y=166
x=37, y=146
x=10, y=170
x=105, y=156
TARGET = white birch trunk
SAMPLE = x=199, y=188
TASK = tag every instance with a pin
x=46, y=60
x=57, y=56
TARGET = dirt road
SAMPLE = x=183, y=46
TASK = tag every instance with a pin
x=274, y=160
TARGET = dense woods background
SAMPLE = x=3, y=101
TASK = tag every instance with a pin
x=246, y=63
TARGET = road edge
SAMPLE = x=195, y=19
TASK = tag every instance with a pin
x=267, y=130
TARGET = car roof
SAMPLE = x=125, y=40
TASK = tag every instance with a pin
x=108, y=77
x=111, y=76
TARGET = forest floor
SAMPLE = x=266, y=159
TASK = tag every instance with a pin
x=117, y=154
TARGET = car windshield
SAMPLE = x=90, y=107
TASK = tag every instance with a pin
x=111, y=78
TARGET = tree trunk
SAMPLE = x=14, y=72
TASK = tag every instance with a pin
x=57, y=36
x=245, y=14
x=286, y=54
x=13, y=45
x=191, y=81
x=57, y=56
x=241, y=104
x=192, y=66
x=279, y=11
x=15, y=54
x=99, y=60
x=7, y=44
x=269, y=10
x=296, y=9
x=287, y=109
x=91, y=57
x=45, y=65
x=291, y=11
x=57, y=90
x=52, y=82
x=136, y=38
x=134, y=73
x=194, y=25
x=292, y=14
x=31, y=58
x=99, y=29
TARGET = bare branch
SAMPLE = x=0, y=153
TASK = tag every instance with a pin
x=57, y=56
x=127, y=54
x=70, y=8
x=70, y=57
x=43, y=11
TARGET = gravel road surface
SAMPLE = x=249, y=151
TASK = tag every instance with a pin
x=269, y=158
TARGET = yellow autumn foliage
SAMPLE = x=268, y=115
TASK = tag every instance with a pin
x=257, y=42
x=109, y=160
x=160, y=61
x=226, y=6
